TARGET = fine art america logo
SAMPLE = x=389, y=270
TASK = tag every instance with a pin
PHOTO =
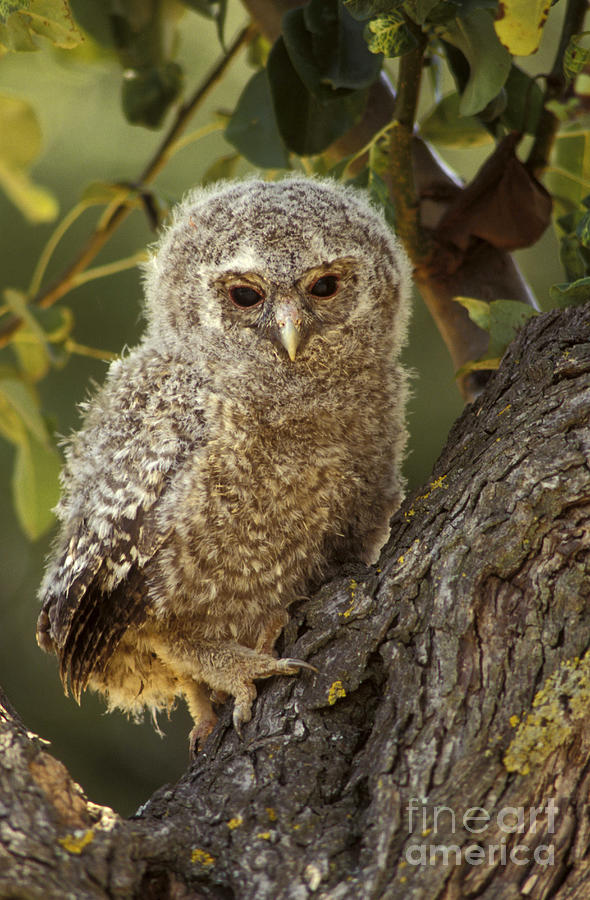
x=510, y=835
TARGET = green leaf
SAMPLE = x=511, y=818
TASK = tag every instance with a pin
x=17, y=302
x=35, y=485
x=11, y=424
x=524, y=102
x=32, y=355
x=569, y=174
x=21, y=398
x=489, y=62
x=20, y=144
x=421, y=10
x=506, y=318
x=379, y=164
x=446, y=126
x=253, y=128
x=583, y=230
x=575, y=56
x=570, y=294
x=51, y=19
x=573, y=257
x=367, y=9
x=148, y=93
x=478, y=310
x=20, y=132
x=7, y=7
x=519, y=24
x=31, y=344
x=502, y=320
x=102, y=193
x=327, y=49
x=36, y=203
x=306, y=124
x=488, y=364
x=390, y=35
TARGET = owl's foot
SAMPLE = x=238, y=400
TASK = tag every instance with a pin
x=223, y=668
x=199, y=734
x=261, y=666
x=199, y=704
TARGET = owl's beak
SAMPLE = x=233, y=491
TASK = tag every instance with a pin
x=288, y=319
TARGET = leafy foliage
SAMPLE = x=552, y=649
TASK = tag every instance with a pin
x=576, y=57
x=22, y=23
x=502, y=319
x=306, y=92
x=519, y=25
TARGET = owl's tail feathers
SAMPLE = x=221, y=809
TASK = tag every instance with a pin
x=92, y=633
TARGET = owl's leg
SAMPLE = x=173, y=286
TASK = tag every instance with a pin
x=199, y=705
x=269, y=634
x=227, y=667
x=233, y=668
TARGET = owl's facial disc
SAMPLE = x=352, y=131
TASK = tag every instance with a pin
x=289, y=310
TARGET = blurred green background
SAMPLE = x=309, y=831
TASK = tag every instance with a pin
x=87, y=139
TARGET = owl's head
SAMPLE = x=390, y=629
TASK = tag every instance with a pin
x=276, y=270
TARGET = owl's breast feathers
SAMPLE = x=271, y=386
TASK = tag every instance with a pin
x=188, y=507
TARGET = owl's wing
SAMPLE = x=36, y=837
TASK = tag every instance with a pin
x=118, y=470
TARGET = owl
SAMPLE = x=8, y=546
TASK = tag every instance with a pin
x=238, y=455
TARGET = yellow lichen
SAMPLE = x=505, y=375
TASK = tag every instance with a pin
x=235, y=822
x=401, y=559
x=264, y=835
x=336, y=692
x=75, y=843
x=562, y=701
x=353, y=587
x=514, y=720
x=271, y=813
x=202, y=857
x=435, y=485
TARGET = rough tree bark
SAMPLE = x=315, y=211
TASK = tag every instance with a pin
x=454, y=674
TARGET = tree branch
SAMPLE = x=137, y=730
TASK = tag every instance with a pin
x=401, y=154
x=455, y=674
x=555, y=89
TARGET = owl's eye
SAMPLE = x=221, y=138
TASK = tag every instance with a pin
x=245, y=297
x=326, y=286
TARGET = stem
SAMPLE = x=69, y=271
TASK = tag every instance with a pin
x=556, y=87
x=119, y=265
x=68, y=279
x=403, y=188
x=51, y=244
x=82, y=350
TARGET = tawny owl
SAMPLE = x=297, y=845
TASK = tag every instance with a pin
x=249, y=444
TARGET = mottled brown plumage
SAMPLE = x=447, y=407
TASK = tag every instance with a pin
x=244, y=448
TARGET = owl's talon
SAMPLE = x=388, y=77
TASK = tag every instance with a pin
x=298, y=663
x=198, y=736
x=242, y=715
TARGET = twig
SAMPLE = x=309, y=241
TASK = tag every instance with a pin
x=403, y=189
x=555, y=88
x=69, y=278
